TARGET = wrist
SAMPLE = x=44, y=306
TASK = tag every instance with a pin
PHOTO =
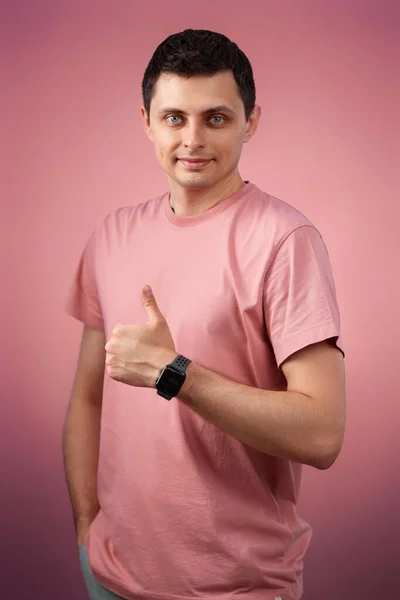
x=85, y=518
x=163, y=357
x=185, y=393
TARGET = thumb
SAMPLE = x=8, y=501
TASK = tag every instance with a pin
x=150, y=305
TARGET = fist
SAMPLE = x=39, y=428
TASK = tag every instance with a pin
x=136, y=354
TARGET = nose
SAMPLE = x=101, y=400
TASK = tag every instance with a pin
x=194, y=136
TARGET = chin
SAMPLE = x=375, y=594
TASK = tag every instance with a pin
x=194, y=181
x=196, y=184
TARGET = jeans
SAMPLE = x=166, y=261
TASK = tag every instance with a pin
x=96, y=591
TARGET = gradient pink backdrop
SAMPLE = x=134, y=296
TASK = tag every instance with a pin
x=73, y=148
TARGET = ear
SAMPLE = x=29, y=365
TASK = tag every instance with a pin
x=146, y=121
x=252, y=123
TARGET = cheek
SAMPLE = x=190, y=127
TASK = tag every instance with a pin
x=230, y=146
x=165, y=143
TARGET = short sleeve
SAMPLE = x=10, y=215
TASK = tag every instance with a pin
x=83, y=300
x=300, y=304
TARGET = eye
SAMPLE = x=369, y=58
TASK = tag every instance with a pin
x=218, y=120
x=173, y=119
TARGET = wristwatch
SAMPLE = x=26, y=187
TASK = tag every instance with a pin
x=172, y=377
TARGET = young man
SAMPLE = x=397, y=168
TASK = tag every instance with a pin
x=196, y=404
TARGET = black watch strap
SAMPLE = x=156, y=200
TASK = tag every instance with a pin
x=181, y=362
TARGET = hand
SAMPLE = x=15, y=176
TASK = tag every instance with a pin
x=136, y=354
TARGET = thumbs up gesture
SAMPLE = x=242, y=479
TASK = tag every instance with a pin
x=136, y=354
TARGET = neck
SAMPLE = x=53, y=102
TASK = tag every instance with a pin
x=187, y=202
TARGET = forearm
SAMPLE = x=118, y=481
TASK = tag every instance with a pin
x=288, y=425
x=81, y=453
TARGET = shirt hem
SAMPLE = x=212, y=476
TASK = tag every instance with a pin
x=114, y=586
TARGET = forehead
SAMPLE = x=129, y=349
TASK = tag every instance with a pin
x=197, y=93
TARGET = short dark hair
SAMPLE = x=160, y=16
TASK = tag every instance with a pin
x=200, y=52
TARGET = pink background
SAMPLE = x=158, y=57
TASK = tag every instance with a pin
x=73, y=148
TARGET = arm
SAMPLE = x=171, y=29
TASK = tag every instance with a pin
x=304, y=424
x=81, y=433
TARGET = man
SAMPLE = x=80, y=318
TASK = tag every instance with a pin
x=211, y=363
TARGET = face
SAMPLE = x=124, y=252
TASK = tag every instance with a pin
x=198, y=128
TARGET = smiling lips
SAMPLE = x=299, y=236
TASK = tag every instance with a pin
x=194, y=163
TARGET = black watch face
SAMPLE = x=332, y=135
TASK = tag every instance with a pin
x=170, y=381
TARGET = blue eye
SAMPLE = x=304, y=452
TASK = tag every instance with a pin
x=173, y=117
x=221, y=119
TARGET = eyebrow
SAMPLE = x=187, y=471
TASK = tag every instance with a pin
x=208, y=111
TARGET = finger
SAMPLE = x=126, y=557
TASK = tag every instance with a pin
x=150, y=305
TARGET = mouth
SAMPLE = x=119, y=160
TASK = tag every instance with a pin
x=194, y=163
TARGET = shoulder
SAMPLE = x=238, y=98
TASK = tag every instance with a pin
x=278, y=221
x=119, y=222
x=272, y=222
x=276, y=218
x=125, y=214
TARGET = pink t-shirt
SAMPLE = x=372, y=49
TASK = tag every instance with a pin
x=188, y=511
